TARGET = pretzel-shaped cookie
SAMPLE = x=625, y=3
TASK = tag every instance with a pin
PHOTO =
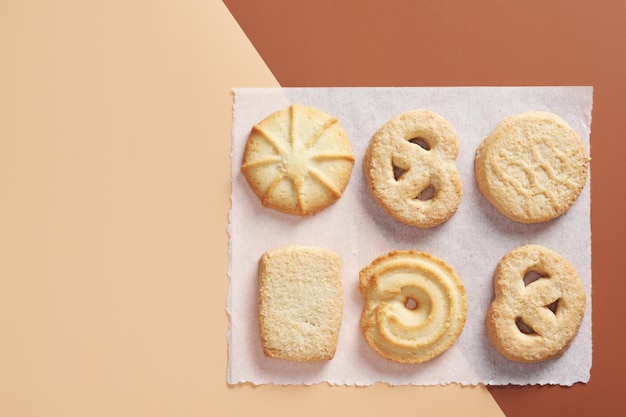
x=538, y=307
x=410, y=168
x=415, y=306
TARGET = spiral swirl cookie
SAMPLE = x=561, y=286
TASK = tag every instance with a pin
x=532, y=167
x=415, y=306
x=538, y=307
x=410, y=168
x=298, y=160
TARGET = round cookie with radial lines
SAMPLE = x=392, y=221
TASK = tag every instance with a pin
x=298, y=160
x=532, y=167
x=415, y=306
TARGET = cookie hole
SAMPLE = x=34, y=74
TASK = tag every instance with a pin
x=553, y=306
x=427, y=193
x=398, y=172
x=523, y=327
x=532, y=276
x=411, y=303
x=421, y=142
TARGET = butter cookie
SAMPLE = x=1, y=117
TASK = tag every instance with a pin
x=532, y=167
x=298, y=160
x=414, y=306
x=538, y=307
x=300, y=303
x=410, y=168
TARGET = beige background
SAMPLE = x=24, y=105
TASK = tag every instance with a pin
x=114, y=197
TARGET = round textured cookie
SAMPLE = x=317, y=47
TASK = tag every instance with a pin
x=415, y=306
x=538, y=306
x=410, y=168
x=532, y=167
x=298, y=160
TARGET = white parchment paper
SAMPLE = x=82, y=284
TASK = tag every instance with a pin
x=355, y=227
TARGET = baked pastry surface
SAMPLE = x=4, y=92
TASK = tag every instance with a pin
x=300, y=303
x=538, y=307
x=532, y=167
x=298, y=160
x=410, y=168
x=414, y=306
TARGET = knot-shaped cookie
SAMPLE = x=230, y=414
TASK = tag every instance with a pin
x=415, y=306
x=410, y=168
x=538, y=307
x=298, y=160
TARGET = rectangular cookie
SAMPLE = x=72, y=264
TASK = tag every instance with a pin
x=300, y=303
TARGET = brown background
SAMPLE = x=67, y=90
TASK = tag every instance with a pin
x=114, y=186
x=422, y=43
